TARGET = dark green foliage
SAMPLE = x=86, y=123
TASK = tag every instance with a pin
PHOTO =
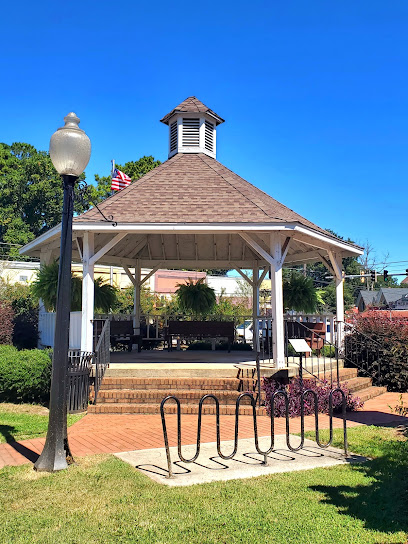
x=105, y=296
x=299, y=294
x=25, y=375
x=378, y=345
x=329, y=297
x=196, y=297
x=134, y=169
x=30, y=194
x=25, y=309
x=46, y=285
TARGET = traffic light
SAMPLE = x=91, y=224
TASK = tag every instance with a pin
x=385, y=275
x=362, y=279
x=373, y=274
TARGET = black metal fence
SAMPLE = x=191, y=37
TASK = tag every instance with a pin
x=79, y=368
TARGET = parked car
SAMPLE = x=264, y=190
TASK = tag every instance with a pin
x=245, y=330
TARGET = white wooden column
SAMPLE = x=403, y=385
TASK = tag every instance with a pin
x=255, y=308
x=45, y=258
x=337, y=263
x=87, y=292
x=278, y=329
x=136, y=299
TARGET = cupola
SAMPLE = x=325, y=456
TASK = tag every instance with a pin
x=192, y=128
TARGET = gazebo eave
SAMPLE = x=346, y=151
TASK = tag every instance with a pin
x=296, y=231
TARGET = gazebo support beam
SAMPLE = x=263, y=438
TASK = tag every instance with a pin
x=337, y=263
x=278, y=329
x=87, y=292
x=136, y=299
x=255, y=308
x=275, y=259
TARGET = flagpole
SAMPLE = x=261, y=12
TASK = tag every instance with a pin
x=113, y=167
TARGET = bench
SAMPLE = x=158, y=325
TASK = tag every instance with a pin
x=121, y=332
x=199, y=330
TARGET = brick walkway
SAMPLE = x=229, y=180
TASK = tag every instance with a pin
x=116, y=433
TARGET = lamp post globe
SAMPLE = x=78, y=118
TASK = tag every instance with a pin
x=70, y=148
x=70, y=151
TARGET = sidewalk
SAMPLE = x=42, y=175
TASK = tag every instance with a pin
x=117, y=433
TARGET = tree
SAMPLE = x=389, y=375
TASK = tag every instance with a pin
x=25, y=313
x=46, y=285
x=134, y=169
x=196, y=297
x=31, y=192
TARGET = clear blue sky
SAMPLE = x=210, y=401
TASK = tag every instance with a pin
x=315, y=95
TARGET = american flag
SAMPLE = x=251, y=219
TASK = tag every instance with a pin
x=119, y=180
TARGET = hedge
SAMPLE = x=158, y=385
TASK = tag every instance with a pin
x=25, y=375
x=378, y=345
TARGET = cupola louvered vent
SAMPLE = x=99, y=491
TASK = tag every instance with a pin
x=209, y=136
x=191, y=132
x=173, y=136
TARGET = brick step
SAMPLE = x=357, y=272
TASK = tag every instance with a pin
x=170, y=383
x=344, y=374
x=157, y=395
x=170, y=408
x=357, y=384
x=370, y=392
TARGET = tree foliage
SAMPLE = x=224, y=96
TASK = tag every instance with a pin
x=30, y=194
x=134, y=169
x=25, y=309
x=46, y=285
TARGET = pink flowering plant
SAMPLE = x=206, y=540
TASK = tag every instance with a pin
x=378, y=344
x=294, y=391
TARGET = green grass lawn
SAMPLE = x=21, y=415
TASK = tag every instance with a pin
x=23, y=421
x=103, y=500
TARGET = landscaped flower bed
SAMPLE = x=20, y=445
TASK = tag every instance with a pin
x=294, y=391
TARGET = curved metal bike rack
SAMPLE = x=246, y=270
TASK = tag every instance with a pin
x=254, y=416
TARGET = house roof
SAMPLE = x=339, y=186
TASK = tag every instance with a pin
x=194, y=188
x=192, y=105
x=368, y=296
x=391, y=294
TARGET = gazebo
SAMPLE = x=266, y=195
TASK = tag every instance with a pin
x=193, y=212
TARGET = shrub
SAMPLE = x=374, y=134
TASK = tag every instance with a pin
x=25, y=309
x=6, y=322
x=25, y=375
x=378, y=345
x=294, y=392
x=326, y=351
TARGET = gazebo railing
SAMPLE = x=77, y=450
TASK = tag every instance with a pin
x=153, y=325
x=102, y=355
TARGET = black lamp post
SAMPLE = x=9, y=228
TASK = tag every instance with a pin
x=70, y=150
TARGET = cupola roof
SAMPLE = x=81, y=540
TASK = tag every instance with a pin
x=192, y=105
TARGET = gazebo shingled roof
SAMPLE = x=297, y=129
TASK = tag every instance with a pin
x=194, y=188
